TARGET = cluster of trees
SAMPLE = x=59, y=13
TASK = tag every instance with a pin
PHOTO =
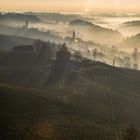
x=60, y=64
x=130, y=133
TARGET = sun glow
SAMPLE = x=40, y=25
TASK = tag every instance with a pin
x=86, y=10
x=78, y=5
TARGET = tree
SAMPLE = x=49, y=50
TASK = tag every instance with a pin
x=60, y=65
x=94, y=54
x=63, y=55
x=130, y=133
x=77, y=55
x=135, y=55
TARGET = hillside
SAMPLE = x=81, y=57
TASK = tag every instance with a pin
x=17, y=17
x=56, y=17
x=94, y=32
x=109, y=94
x=26, y=114
x=60, y=99
x=79, y=22
x=83, y=23
x=33, y=33
x=131, y=42
x=132, y=23
x=130, y=28
x=7, y=42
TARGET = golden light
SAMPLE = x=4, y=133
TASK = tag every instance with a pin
x=76, y=40
x=86, y=10
x=71, y=6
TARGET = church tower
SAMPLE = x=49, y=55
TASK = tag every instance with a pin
x=26, y=26
x=74, y=35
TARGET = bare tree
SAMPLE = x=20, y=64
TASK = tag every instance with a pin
x=94, y=54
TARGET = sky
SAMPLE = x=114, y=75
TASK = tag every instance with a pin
x=71, y=5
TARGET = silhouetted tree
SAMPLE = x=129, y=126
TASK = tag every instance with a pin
x=135, y=55
x=77, y=56
x=94, y=54
x=63, y=56
x=130, y=133
x=60, y=65
x=113, y=62
x=135, y=66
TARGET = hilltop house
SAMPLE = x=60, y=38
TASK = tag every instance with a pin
x=24, y=49
x=45, y=50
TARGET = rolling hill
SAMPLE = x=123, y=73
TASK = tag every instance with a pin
x=33, y=33
x=95, y=32
x=53, y=17
x=26, y=114
x=107, y=93
x=82, y=99
x=132, y=23
x=79, y=22
x=17, y=17
x=131, y=42
x=130, y=28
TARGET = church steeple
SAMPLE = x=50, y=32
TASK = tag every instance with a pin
x=74, y=35
x=26, y=26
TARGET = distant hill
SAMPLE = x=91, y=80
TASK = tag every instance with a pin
x=95, y=32
x=131, y=42
x=17, y=17
x=130, y=28
x=79, y=22
x=56, y=17
x=29, y=33
x=132, y=23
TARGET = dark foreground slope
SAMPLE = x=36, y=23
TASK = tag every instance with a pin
x=110, y=94
x=68, y=100
x=26, y=115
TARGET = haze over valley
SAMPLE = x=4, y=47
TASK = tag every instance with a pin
x=105, y=32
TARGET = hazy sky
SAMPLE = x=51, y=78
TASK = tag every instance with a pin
x=71, y=5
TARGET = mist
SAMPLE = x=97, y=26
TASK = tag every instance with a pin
x=109, y=34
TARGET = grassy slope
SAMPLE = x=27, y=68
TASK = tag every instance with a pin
x=26, y=114
x=109, y=94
